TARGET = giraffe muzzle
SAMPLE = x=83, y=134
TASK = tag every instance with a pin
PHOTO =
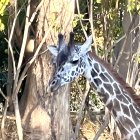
x=54, y=85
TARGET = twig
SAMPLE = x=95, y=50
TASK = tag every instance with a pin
x=18, y=119
x=3, y=118
x=80, y=114
x=35, y=12
x=78, y=9
x=29, y=64
x=31, y=61
x=102, y=127
x=4, y=114
x=14, y=96
x=134, y=72
x=10, y=117
x=9, y=43
x=91, y=24
x=23, y=45
x=24, y=37
x=15, y=99
x=121, y=38
x=27, y=25
x=3, y=94
x=126, y=37
x=10, y=37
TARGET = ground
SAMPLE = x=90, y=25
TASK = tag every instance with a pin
x=87, y=131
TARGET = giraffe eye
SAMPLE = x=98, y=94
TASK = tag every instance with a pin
x=74, y=62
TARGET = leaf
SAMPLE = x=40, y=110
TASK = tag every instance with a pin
x=2, y=27
x=98, y=1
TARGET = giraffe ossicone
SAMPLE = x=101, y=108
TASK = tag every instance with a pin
x=72, y=60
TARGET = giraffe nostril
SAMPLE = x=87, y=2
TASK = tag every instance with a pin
x=53, y=82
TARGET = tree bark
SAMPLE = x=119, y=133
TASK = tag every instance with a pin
x=127, y=64
x=46, y=116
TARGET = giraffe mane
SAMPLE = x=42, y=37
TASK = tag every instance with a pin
x=115, y=75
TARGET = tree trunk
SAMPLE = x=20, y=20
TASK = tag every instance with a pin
x=46, y=116
x=128, y=64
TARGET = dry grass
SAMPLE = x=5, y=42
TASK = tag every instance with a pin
x=10, y=129
x=89, y=130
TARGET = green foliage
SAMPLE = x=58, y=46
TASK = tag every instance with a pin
x=133, y=5
x=137, y=59
x=3, y=35
x=3, y=4
x=77, y=18
x=98, y=1
x=107, y=22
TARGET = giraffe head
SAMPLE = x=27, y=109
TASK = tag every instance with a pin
x=70, y=61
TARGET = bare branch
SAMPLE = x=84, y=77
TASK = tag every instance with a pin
x=14, y=96
x=10, y=117
x=27, y=24
x=91, y=24
x=24, y=38
x=15, y=99
x=35, y=12
x=126, y=37
x=78, y=9
x=29, y=64
x=9, y=42
x=80, y=114
x=102, y=127
x=3, y=119
x=18, y=119
x=1, y=92
x=16, y=90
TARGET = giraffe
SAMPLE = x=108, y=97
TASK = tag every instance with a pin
x=118, y=97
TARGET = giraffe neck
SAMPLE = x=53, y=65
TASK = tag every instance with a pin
x=116, y=98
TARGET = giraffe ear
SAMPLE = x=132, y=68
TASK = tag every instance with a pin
x=86, y=47
x=53, y=50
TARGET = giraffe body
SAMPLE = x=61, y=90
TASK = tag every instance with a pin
x=117, y=96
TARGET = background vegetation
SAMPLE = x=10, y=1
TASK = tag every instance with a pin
x=106, y=20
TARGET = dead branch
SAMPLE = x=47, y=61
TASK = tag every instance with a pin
x=3, y=118
x=1, y=92
x=10, y=117
x=134, y=71
x=80, y=114
x=4, y=115
x=27, y=25
x=16, y=90
x=9, y=42
x=35, y=12
x=15, y=100
x=18, y=119
x=29, y=64
x=78, y=9
x=11, y=35
x=91, y=24
x=103, y=126
x=126, y=37
x=14, y=96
